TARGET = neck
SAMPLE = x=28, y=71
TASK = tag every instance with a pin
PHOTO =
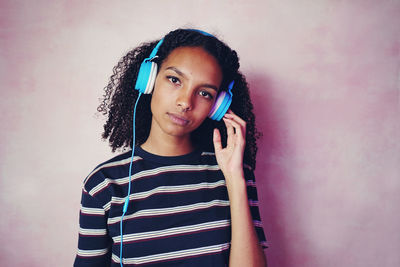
x=159, y=143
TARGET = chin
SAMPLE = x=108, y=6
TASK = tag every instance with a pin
x=175, y=131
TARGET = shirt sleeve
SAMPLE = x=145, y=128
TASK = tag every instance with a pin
x=94, y=243
x=253, y=203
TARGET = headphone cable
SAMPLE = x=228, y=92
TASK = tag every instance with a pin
x=126, y=204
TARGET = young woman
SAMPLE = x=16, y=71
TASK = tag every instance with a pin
x=187, y=197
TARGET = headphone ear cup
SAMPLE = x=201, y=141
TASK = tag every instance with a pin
x=146, y=77
x=221, y=106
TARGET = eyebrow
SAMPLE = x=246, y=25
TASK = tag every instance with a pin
x=184, y=76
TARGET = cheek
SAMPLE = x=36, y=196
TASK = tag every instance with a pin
x=156, y=104
x=209, y=105
x=204, y=108
x=157, y=98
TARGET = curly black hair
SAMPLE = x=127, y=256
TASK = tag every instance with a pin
x=120, y=96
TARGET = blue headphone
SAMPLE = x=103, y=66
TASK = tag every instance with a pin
x=148, y=73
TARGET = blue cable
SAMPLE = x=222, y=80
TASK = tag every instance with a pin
x=126, y=204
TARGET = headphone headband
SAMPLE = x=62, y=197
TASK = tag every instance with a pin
x=155, y=50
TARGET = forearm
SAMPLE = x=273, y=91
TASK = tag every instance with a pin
x=245, y=247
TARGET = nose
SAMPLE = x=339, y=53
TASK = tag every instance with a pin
x=184, y=100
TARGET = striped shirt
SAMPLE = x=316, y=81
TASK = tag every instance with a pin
x=178, y=213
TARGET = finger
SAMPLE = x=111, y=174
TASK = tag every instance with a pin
x=232, y=115
x=217, y=140
x=230, y=132
x=230, y=112
x=238, y=121
x=237, y=128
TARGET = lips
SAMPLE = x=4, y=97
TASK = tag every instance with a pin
x=179, y=120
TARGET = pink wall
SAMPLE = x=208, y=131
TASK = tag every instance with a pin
x=325, y=81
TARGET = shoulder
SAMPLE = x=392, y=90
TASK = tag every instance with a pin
x=110, y=169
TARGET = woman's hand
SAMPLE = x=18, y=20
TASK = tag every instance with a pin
x=230, y=158
x=245, y=247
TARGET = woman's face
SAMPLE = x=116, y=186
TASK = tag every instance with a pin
x=185, y=90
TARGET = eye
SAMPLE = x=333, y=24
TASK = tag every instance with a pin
x=206, y=94
x=173, y=79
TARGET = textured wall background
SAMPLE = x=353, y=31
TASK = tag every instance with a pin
x=324, y=77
